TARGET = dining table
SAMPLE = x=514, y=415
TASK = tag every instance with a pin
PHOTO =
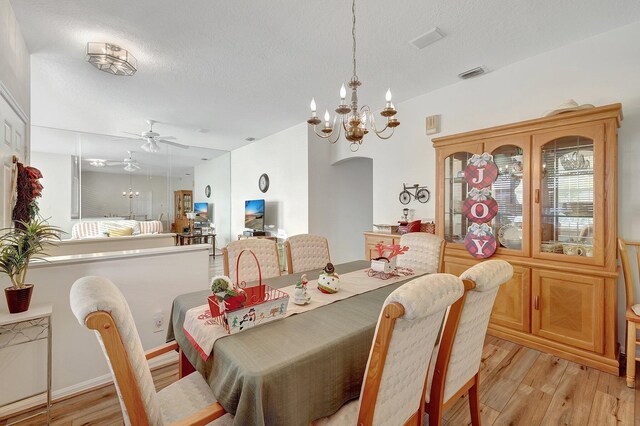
x=294, y=370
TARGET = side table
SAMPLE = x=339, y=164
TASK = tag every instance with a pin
x=27, y=327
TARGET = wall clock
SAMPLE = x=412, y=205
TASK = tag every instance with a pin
x=263, y=182
x=207, y=191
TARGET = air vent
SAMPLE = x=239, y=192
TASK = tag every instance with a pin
x=473, y=72
x=427, y=38
x=250, y=139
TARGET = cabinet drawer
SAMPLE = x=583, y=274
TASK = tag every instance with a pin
x=569, y=308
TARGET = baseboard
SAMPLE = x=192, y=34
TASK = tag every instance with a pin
x=79, y=388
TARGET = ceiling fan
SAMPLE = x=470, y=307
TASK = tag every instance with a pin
x=130, y=164
x=151, y=139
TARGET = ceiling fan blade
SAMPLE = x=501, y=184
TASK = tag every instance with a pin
x=176, y=144
x=134, y=134
x=114, y=163
x=171, y=138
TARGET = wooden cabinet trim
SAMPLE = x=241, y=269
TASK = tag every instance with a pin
x=608, y=112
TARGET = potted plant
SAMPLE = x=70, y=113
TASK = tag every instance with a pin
x=18, y=246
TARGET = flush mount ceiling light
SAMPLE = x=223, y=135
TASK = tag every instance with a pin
x=353, y=119
x=111, y=58
x=98, y=163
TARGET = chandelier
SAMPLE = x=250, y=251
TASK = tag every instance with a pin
x=130, y=193
x=352, y=118
x=111, y=58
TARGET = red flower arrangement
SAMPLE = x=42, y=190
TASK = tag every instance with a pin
x=28, y=188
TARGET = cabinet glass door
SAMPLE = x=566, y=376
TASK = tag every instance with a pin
x=511, y=192
x=569, y=198
x=455, y=192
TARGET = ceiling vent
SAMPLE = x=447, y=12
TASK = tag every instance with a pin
x=427, y=38
x=250, y=139
x=473, y=72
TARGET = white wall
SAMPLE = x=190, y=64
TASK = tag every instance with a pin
x=340, y=200
x=283, y=156
x=600, y=70
x=148, y=281
x=217, y=174
x=55, y=204
x=15, y=62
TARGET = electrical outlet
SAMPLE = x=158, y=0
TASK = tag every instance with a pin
x=158, y=322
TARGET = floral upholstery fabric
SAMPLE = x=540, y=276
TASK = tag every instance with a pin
x=425, y=300
x=468, y=342
x=266, y=252
x=425, y=252
x=308, y=252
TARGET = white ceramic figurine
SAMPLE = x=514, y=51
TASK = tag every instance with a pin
x=300, y=296
x=329, y=281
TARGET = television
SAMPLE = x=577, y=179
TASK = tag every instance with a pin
x=254, y=215
x=201, y=209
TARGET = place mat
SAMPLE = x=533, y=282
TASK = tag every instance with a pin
x=202, y=331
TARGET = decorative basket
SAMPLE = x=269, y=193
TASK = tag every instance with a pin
x=429, y=227
x=262, y=304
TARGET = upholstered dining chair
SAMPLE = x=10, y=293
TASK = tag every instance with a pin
x=632, y=319
x=266, y=251
x=393, y=391
x=425, y=253
x=458, y=356
x=99, y=305
x=306, y=252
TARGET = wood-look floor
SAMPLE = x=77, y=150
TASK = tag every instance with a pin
x=519, y=386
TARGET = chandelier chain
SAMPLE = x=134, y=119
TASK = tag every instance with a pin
x=353, y=34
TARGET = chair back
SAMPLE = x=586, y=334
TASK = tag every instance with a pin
x=425, y=252
x=99, y=305
x=627, y=272
x=266, y=251
x=306, y=252
x=394, y=384
x=460, y=350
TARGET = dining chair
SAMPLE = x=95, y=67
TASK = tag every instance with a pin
x=306, y=252
x=632, y=318
x=100, y=306
x=393, y=391
x=457, y=363
x=426, y=252
x=266, y=251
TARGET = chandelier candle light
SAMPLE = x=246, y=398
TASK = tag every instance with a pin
x=353, y=119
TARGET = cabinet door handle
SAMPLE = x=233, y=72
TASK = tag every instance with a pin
x=536, y=303
x=537, y=197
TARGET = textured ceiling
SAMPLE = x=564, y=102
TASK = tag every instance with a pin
x=240, y=69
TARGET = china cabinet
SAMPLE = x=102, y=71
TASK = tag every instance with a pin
x=556, y=224
x=183, y=204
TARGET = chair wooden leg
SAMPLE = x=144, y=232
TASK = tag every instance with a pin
x=631, y=354
x=435, y=412
x=474, y=402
